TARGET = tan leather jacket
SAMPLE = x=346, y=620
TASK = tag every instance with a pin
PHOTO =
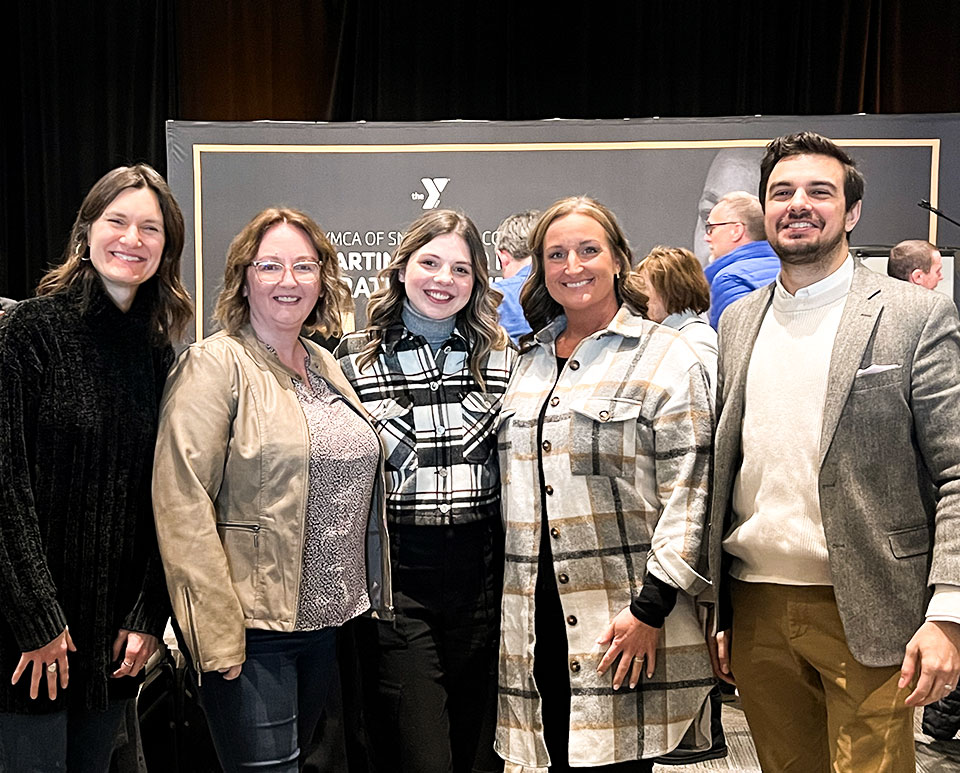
x=230, y=487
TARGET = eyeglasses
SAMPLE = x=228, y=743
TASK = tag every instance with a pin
x=710, y=226
x=270, y=272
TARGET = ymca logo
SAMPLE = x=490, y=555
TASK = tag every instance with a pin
x=434, y=187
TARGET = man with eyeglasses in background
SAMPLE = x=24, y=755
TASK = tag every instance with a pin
x=741, y=259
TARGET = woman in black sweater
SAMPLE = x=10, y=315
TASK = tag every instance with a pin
x=82, y=596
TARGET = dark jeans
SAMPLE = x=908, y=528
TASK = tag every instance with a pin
x=438, y=662
x=78, y=741
x=257, y=720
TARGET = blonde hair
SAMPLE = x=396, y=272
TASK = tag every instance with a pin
x=172, y=308
x=539, y=307
x=477, y=320
x=233, y=309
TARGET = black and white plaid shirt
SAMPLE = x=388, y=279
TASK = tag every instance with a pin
x=438, y=427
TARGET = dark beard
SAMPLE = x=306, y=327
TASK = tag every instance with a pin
x=807, y=254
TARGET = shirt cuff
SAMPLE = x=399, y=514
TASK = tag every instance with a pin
x=654, y=602
x=945, y=603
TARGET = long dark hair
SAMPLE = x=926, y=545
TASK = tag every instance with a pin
x=172, y=308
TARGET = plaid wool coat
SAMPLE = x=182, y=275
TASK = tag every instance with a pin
x=626, y=453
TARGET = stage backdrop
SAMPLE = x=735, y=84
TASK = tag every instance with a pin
x=364, y=183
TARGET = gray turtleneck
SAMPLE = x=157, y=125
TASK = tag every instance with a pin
x=435, y=331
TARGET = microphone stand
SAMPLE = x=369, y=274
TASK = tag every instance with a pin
x=924, y=204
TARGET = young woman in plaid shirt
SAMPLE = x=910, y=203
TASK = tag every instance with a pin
x=431, y=368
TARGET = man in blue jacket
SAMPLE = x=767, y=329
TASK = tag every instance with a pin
x=741, y=259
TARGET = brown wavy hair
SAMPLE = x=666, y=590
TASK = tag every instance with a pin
x=172, y=308
x=477, y=321
x=233, y=309
x=678, y=278
x=539, y=307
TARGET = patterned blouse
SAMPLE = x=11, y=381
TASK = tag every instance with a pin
x=343, y=465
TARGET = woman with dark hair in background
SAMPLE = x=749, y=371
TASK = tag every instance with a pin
x=677, y=296
x=268, y=493
x=431, y=368
x=605, y=446
x=82, y=601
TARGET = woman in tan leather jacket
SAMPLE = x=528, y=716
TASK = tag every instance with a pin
x=268, y=495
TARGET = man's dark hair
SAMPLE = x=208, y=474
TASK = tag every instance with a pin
x=806, y=143
x=909, y=255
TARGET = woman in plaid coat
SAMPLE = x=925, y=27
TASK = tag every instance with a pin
x=431, y=369
x=605, y=447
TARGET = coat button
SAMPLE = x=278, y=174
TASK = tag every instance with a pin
x=571, y=619
x=434, y=385
x=442, y=472
x=575, y=666
x=444, y=508
x=604, y=415
x=549, y=489
x=563, y=578
x=573, y=365
x=554, y=401
x=555, y=532
x=545, y=445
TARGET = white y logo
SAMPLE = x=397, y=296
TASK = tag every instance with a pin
x=434, y=187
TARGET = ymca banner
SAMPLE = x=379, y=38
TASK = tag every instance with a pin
x=364, y=182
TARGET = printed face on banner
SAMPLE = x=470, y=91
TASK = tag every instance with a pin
x=279, y=306
x=579, y=266
x=126, y=241
x=805, y=214
x=438, y=278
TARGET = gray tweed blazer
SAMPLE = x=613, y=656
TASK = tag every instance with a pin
x=889, y=454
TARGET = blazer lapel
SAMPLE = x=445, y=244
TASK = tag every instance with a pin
x=742, y=348
x=857, y=322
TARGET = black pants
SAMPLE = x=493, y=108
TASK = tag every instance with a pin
x=438, y=661
x=551, y=670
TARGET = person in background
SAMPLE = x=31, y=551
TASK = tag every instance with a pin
x=741, y=259
x=732, y=169
x=82, y=602
x=677, y=296
x=431, y=369
x=514, y=254
x=605, y=446
x=916, y=261
x=268, y=494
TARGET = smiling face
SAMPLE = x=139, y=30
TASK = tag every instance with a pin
x=278, y=309
x=126, y=243
x=579, y=267
x=438, y=278
x=805, y=216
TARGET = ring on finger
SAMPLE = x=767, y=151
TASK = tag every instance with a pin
x=51, y=668
x=128, y=665
x=638, y=660
x=948, y=688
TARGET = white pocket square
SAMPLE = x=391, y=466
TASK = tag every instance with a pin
x=875, y=369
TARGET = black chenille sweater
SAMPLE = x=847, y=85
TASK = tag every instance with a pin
x=80, y=383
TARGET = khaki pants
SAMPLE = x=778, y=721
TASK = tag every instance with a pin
x=810, y=706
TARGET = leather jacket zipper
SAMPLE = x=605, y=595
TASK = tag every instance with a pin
x=243, y=526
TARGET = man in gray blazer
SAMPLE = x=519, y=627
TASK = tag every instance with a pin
x=835, y=526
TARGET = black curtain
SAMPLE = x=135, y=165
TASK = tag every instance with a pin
x=89, y=84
